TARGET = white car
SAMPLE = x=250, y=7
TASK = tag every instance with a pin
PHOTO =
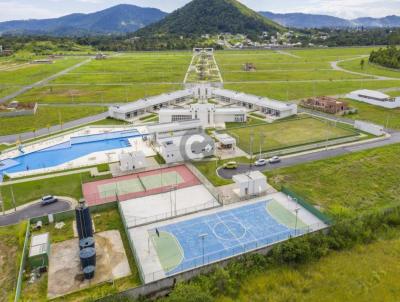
x=261, y=162
x=274, y=160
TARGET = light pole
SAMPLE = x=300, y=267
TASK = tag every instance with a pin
x=297, y=214
x=202, y=237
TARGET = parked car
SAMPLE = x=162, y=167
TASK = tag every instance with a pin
x=231, y=165
x=274, y=160
x=261, y=162
x=49, y=199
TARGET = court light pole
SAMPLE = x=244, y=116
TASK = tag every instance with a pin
x=297, y=214
x=203, y=237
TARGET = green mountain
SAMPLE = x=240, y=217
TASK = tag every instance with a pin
x=209, y=17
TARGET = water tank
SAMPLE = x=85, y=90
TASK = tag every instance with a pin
x=83, y=220
x=88, y=272
x=88, y=257
x=86, y=242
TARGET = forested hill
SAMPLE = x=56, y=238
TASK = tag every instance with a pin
x=209, y=17
x=387, y=57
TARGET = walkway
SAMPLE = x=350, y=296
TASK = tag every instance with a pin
x=335, y=66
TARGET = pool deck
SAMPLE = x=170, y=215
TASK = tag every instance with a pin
x=92, y=159
x=148, y=260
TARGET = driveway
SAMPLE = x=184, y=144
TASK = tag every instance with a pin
x=35, y=210
x=241, y=169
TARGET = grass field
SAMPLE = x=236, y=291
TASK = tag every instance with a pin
x=104, y=220
x=46, y=116
x=354, y=65
x=365, y=273
x=346, y=185
x=11, y=244
x=70, y=185
x=382, y=116
x=86, y=93
x=279, y=135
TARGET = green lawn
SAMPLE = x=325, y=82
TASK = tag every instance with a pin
x=46, y=116
x=376, y=114
x=95, y=93
x=289, y=75
x=364, y=273
x=286, y=91
x=354, y=65
x=346, y=185
x=69, y=185
x=104, y=220
x=11, y=245
x=284, y=134
x=25, y=73
x=208, y=169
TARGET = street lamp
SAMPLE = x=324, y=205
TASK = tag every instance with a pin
x=202, y=237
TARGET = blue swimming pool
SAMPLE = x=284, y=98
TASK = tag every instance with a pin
x=65, y=152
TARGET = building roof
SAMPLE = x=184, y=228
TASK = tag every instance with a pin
x=174, y=126
x=39, y=245
x=153, y=101
x=252, y=99
x=225, y=139
x=371, y=93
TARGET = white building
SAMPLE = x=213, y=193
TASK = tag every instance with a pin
x=132, y=160
x=271, y=108
x=374, y=98
x=208, y=114
x=202, y=92
x=250, y=184
x=167, y=130
x=133, y=110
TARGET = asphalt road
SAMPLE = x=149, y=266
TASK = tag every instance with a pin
x=310, y=157
x=35, y=210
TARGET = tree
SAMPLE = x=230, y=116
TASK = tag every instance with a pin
x=362, y=63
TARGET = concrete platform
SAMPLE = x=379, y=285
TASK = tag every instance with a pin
x=65, y=274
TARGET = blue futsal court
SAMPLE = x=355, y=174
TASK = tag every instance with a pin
x=220, y=235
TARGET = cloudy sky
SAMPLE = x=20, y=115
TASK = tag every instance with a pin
x=29, y=9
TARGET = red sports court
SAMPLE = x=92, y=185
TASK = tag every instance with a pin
x=139, y=185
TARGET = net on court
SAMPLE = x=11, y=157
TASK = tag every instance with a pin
x=138, y=185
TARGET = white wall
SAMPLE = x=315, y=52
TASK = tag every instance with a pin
x=369, y=128
x=387, y=104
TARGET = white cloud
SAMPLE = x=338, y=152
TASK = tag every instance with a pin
x=16, y=11
x=24, y=9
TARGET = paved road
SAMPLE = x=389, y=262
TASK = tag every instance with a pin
x=310, y=157
x=35, y=210
x=69, y=125
x=42, y=82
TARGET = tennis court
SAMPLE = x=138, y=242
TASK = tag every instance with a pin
x=211, y=236
x=139, y=185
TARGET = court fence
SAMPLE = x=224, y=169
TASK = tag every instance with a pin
x=218, y=256
x=131, y=245
x=308, y=206
x=22, y=263
x=140, y=221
